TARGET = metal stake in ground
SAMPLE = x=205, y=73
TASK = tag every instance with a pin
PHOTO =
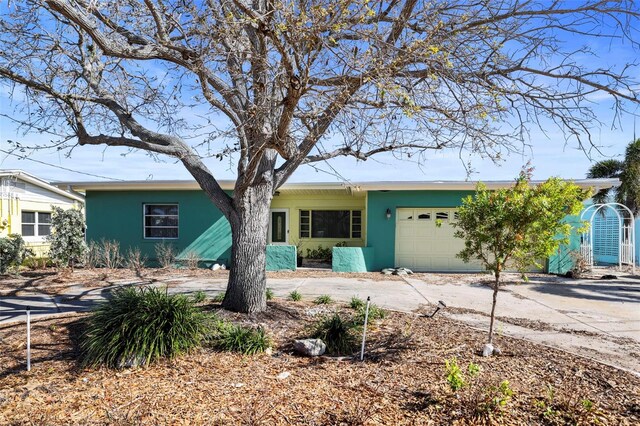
x=364, y=329
x=28, y=338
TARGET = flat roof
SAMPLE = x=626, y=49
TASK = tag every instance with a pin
x=438, y=185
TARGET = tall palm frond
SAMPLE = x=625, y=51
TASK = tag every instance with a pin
x=627, y=170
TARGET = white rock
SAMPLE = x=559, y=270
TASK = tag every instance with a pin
x=215, y=267
x=487, y=350
x=497, y=351
x=223, y=266
x=283, y=375
x=309, y=347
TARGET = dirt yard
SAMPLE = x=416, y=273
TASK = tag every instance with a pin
x=403, y=380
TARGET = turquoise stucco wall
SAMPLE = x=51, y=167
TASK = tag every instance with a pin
x=563, y=260
x=381, y=232
x=352, y=259
x=117, y=215
x=281, y=258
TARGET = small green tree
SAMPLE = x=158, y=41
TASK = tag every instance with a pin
x=67, y=236
x=517, y=226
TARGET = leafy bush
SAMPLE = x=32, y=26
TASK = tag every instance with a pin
x=141, y=325
x=67, y=246
x=165, y=254
x=295, y=296
x=236, y=338
x=495, y=399
x=357, y=303
x=218, y=298
x=567, y=408
x=325, y=299
x=337, y=333
x=13, y=251
x=32, y=262
x=269, y=294
x=455, y=376
x=320, y=253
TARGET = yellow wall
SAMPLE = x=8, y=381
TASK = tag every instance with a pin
x=11, y=214
x=319, y=200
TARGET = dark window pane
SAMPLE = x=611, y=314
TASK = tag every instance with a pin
x=424, y=216
x=44, y=217
x=330, y=223
x=161, y=209
x=161, y=221
x=28, y=217
x=161, y=232
x=44, y=230
x=442, y=215
x=28, y=230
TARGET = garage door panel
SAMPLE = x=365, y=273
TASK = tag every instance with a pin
x=423, y=246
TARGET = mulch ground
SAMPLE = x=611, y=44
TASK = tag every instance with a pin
x=403, y=380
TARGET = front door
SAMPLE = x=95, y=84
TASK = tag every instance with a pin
x=279, y=227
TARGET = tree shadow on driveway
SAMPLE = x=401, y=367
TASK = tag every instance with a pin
x=617, y=291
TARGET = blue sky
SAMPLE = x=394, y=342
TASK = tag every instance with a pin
x=548, y=153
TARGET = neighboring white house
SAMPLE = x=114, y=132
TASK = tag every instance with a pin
x=25, y=207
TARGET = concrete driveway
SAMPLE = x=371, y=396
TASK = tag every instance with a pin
x=593, y=318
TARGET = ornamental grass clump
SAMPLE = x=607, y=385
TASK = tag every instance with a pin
x=338, y=333
x=237, y=338
x=141, y=325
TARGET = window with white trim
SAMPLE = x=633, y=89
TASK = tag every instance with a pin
x=330, y=224
x=160, y=221
x=36, y=224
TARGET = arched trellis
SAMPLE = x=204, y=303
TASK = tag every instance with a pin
x=626, y=234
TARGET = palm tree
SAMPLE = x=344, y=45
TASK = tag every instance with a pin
x=628, y=171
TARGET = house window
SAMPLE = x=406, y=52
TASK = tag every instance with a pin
x=36, y=224
x=161, y=221
x=330, y=224
x=442, y=215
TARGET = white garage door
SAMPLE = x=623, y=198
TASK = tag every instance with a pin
x=422, y=245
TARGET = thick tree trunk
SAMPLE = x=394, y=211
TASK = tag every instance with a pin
x=246, y=290
x=493, y=306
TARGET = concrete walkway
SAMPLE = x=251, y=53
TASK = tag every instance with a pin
x=593, y=318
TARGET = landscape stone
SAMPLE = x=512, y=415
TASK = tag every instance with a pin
x=309, y=347
x=487, y=350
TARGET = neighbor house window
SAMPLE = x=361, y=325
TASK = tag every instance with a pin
x=330, y=224
x=36, y=224
x=161, y=221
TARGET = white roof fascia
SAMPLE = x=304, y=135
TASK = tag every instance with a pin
x=159, y=185
x=27, y=177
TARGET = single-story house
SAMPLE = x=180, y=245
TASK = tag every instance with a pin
x=376, y=224
x=25, y=207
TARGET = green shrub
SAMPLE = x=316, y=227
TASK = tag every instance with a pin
x=218, y=298
x=325, y=299
x=495, y=399
x=295, y=296
x=337, y=333
x=33, y=262
x=236, y=338
x=375, y=313
x=199, y=296
x=13, y=251
x=357, y=303
x=269, y=294
x=455, y=376
x=141, y=325
x=67, y=237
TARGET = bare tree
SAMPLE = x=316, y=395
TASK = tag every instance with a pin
x=284, y=83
